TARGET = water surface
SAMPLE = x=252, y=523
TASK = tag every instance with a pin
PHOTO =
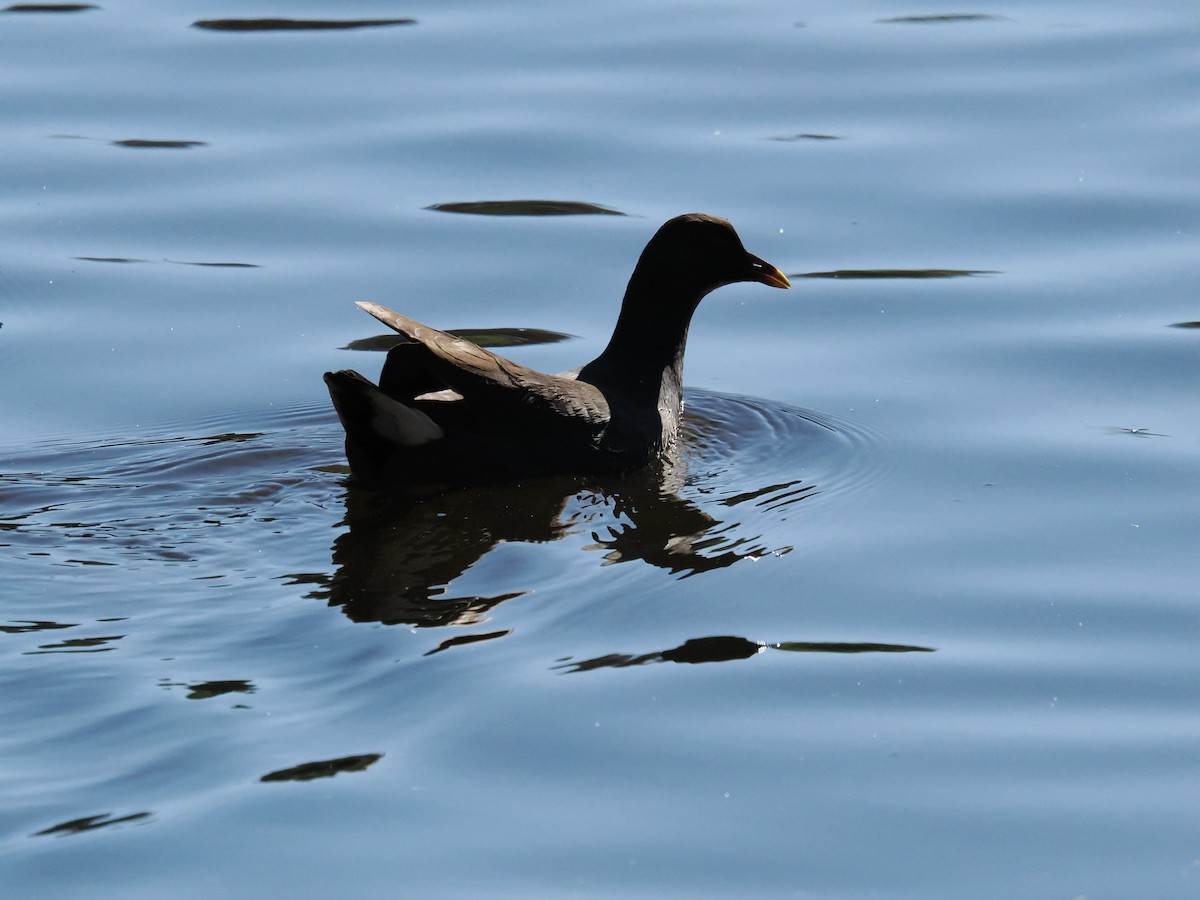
x=915, y=616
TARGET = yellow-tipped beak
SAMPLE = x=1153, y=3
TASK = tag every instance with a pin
x=766, y=273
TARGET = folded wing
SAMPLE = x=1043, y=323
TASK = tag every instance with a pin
x=498, y=389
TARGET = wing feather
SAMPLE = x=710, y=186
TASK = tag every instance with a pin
x=504, y=386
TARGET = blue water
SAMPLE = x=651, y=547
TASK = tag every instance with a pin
x=916, y=618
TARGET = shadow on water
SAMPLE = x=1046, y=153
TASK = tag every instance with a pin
x=49, y=7
x=296, y=24
x=726, y=648
x=805, y=136
x=149, y=143
x=849, y=274
x=135, y=143
x=78, y=645
x=325, y=768
x=26, y=626
x=175, y=262
x=1134, y=431
x=207, y=690
x=91, y=823
x=526, y=208
x=213, y=265
x=940, y=19
x=483, y=337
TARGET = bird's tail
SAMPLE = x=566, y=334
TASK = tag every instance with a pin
x=377, y=426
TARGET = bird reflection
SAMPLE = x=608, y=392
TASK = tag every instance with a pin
x=401, y=553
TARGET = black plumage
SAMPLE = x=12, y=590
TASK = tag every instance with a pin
x=447, y=410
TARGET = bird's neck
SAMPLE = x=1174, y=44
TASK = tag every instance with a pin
x=644, y=356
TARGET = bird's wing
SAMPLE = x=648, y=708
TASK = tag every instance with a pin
x=497, y=387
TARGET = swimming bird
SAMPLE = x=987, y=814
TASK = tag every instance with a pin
x=448, y=411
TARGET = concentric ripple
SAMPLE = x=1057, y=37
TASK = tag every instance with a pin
x=744, y=449
x=213, y=499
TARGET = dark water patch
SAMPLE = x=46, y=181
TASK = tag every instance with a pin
x=526, y=208
x=78, y=645
x=139, y=143
x=726, y=649
x=136, y=143
x=207, y=690
x=214, y=265
x=49, y=7
x=296, y=24
x=28, y=625
x=484, y=337
x=91, y=823
x=940, y=19
x=806, y=136
x=784, y=492
x=848, y=647
x=465, y=639
x=231, y=437
x=1185, y=325
x=895, y=273
x=175, y=262
x=1135, y=432
x=695, y=650
x=325, y=768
